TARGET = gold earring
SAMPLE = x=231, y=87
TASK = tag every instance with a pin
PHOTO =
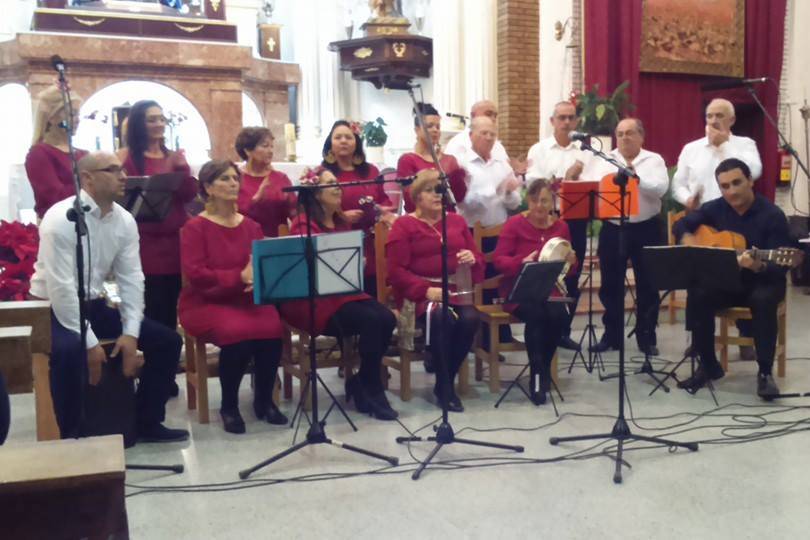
x=330, y=157
x=357, y=160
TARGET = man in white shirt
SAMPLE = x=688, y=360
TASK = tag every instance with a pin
x=559, y=158
x=492, y=188
x=461, y=144
x=643, y=229
x=694, y=182
x=109, y=247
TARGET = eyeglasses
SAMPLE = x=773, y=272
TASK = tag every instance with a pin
x=112, y=169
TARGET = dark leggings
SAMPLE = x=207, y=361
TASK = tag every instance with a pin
x=233, y=362
x=461, y=332
x=374, y=324
x=544, y=324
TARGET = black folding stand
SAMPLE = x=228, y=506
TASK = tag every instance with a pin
x=621, y=430
x=149, y=198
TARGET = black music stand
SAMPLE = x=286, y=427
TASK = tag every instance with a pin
x=698, y=267
x=533, y=285
x=280, y=274
x=149, y=198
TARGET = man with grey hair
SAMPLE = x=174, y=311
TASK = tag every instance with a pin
x=641, y=230
x=110, y=246
x=694, y=182
x=460, y=145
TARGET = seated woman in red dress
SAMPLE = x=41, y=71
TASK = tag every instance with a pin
x=362, y=206
x=421, y=158
x=345, y=315
x=146, y=155
x=260, y=195
x=521, y=241
x=216, y=303
x=48, y=164
x=414, y=272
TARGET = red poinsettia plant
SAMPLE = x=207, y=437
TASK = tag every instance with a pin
x=19, y=245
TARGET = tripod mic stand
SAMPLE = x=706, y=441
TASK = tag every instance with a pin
x=621, y=430
x=444, y=431
x=316, y=433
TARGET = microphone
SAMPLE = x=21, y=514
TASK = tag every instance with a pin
x=579, y=136
x=459, y=116
x=721, y=85
x=390, y=175
x=58, y=64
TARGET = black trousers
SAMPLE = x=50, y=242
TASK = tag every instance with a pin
x=459, y=331
x=374, y=324
x=544, y=324
x=613, y=266
x=233, y=362
x=579, y=240
x=160, y=296
x=761, y=296
x=69, y=375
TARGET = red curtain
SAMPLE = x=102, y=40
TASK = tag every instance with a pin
x=672, y=105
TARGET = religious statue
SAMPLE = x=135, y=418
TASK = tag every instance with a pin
x=383, y=9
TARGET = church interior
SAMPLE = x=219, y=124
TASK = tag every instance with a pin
x=325, y=268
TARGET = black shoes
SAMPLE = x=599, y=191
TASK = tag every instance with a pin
x=766, y=387
x=159, y=433
x=567, y=343
x=648, y=349
x=748, y=353
x=232, y=421
x=269, y=412
x=453, y=402
x=374, y=404
x=700, y=379
x=604, y=345
x=174, y=390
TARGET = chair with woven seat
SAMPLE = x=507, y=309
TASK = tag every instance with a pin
x=730, y=315
x=493, y=317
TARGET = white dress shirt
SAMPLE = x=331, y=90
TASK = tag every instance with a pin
x=460, y=147
x=114, y=246
x=653, y=180
x=549, y=159
x=484, y=202
x=699, y=159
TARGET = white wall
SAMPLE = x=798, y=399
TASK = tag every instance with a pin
x=556, y=59
x=797, y=86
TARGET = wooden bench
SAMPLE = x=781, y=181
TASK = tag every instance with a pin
x=63, y=489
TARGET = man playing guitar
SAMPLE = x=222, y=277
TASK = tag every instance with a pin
x=762, y=225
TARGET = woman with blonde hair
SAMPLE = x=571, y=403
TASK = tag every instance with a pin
x=48, y=164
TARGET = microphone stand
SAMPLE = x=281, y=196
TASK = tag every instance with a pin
x=444, y=431
x=621, y=430
x=316, y=433
x=76, y=214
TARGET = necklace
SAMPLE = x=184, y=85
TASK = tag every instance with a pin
x=431, y=226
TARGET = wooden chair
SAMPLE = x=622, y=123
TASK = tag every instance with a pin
x=493, y=317
x=729, y=316
x=385, y=296
x=674, y=303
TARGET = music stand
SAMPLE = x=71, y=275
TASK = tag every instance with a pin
x=149, y=198
x=586, y=199
x=316, y=433
x=698, y=267
x=280, y=274
x=533, y=285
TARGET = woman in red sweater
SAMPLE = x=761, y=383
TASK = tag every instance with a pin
x=48, y=164
x=147, y=155
x=362, y=206
x=216, y=303
x=344, y=315
x=521, y=241
x=421, y=158
x=414, y=271
x=260, y=195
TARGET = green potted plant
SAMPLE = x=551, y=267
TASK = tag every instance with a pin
x=374, y=138
x=599, y=114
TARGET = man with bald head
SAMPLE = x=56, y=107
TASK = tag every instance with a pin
x=110, y=248
x=642, y=230
x=694, y=182
x=460, y=144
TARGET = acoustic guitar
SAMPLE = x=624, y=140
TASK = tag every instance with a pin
x=710, y=237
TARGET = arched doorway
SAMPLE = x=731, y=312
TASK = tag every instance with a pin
x=251, y=115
